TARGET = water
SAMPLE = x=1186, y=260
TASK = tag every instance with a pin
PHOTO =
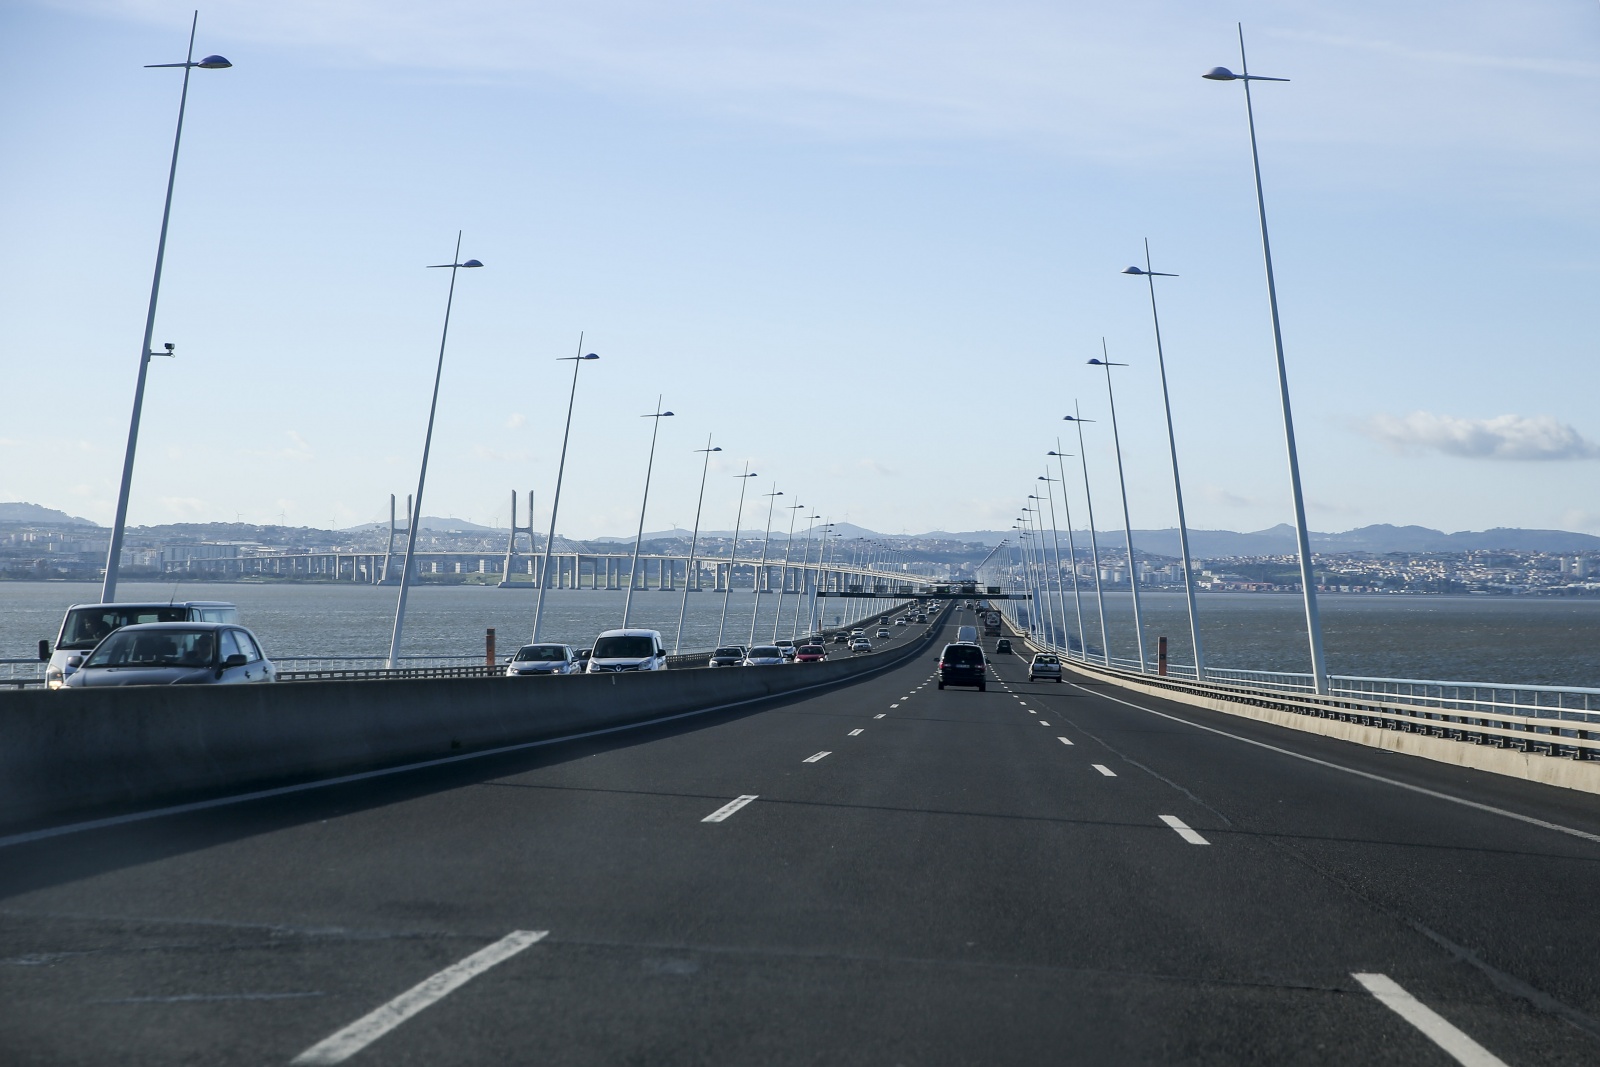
x=1524, y=640
x=441, y=620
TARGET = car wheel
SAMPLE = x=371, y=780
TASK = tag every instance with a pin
x=983, y=689
x=941, y=685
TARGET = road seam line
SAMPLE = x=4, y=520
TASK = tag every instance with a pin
x=1433, y=1026
x=342, y=1044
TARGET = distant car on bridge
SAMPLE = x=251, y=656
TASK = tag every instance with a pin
x=810, y=654
x=1044, y=665
x=175, y=653
x=860, y=644
x=765, y=656
x=727, y=656
x=543, y=659
x=616, y=651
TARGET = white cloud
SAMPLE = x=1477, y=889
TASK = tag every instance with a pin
x=1512, y=437
x=298, y=449
x=516, y=421
x=1218, y=495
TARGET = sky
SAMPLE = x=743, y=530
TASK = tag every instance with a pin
x=867, y=246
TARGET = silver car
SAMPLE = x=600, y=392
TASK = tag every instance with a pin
x=175, y=653
x=765, y=656
x=533, y=660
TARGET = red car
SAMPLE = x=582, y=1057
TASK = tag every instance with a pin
x=810, y=654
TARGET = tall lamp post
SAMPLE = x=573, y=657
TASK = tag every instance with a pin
x=783, y=583
x=805, y=577
x=1308, y=585
x=555, y=503
x=415, y=524
x=733, y=556
x=638, y=540
x=1127, y=524
x=108, y=589
x=1055, y=540
x=694, y=542
x=1072, y=550
x=1150, y=275
x=755, y=608
x=1094, y=539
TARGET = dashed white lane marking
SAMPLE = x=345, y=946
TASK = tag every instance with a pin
x=1032, y=712
x=880, y=715
x=1434, y=1027
x=856, y=731
x=818, y=756
x=729, y=808
x=341, y=1045
x=1103, y=769
x=1043, y=723
x=1064, y=740
x=1183, y=830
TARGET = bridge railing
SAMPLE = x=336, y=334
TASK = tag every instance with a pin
x=21, y=672
x=1555, y=720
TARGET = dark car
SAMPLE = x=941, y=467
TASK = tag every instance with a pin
x=728, y=656
x=841, y=638
x=962, y=664
x=1002, y=646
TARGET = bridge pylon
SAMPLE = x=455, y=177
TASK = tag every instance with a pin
x=511, y=543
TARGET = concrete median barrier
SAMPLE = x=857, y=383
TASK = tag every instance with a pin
x=63, y=752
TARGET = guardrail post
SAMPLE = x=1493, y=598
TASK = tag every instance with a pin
x=1161, y=657
x=488, y=647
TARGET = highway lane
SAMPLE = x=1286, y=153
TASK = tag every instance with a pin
x=949, y=883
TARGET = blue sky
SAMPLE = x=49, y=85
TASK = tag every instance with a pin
x=868, y=246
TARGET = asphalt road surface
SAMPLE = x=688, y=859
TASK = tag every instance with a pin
x=883, y=874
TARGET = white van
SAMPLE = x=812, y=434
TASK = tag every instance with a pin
x=628, y=650
x=86, y=625
x=966, y=635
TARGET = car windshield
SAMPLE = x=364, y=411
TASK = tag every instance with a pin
x=541, y=653
x=624, y=648
x=765, y=652
x=86, y=627
x=731, y=650
x=810, y=650
x=156, y=648
x=963, y=654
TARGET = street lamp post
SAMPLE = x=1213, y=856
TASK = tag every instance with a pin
x=1308, y=584
x=755, y=608
x=733, y=556
x=555, y=503
x=638, y=540
x=806, y=582
x=1150, y=275
x=108, y=589
x=1094, y=539
x=1051, y=629
x=783, y=583
x=1055, y=540
x=1072, y=550
x=1127, y=524
x=415, y=524
x=694, y=542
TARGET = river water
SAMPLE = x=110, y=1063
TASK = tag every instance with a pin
x=1524, y=640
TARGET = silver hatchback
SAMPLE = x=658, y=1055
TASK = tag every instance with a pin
x=1044, y=665
x=175, y=653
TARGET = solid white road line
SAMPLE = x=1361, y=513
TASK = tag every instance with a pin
x=818, y=756
x=856, y=731
x=1490, y=808
x=1064, y=741
x=340, y=1046
x=729, y=808
x=1103, y=769
x=1183, y=830
x=1434, y=1027
x=880, y=715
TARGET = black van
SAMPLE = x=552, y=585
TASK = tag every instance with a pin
x=962, y=664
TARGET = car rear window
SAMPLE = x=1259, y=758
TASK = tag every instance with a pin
x=962, y=654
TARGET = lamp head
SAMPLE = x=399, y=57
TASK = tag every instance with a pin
x=213, y=63
x=1133, y=270
x=1220, y=74
x=591, y=355
x=473, y=263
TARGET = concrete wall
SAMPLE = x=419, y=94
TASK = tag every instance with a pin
x=71, y=750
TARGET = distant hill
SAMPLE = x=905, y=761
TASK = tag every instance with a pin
x=433, y=522
x=1280, y=540
x=17, y=511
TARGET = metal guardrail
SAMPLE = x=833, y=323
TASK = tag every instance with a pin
x=1561, y=721
x=21, y=672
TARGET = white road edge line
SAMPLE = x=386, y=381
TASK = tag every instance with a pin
x=855, y=732
x=818, y=756
x=1183, y=830
x=341, y=1045
x=1434, y=1027
x=1064, y=740
x=1490, y=808
x=1103, y=769
x=730, y=807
